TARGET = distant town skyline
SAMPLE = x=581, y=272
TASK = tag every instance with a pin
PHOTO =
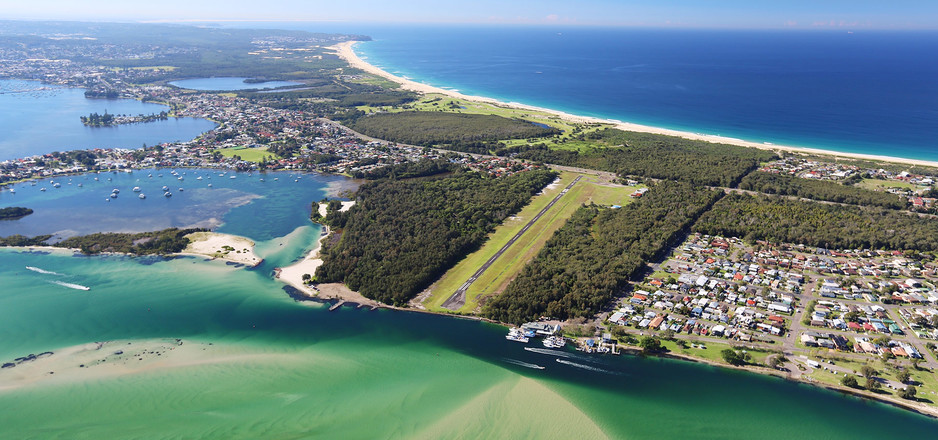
x=726, y=14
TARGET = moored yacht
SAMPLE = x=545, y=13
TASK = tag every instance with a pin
x=517, y=335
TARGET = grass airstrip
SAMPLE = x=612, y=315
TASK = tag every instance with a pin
x=590, y=189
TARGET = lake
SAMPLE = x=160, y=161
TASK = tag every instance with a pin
x=229, y=83
x=38, y=118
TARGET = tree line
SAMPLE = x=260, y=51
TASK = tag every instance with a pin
x=590, y=259
x=652, y=155
x=778, y=219
x=404, y=234
x=444, y=128
x=166, y=241
x=786, y=185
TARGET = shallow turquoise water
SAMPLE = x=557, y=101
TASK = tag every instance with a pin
x=282, y=369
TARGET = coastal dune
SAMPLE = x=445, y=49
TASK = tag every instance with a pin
x=346, y=51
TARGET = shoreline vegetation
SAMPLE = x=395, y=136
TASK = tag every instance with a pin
x=346, y=51
x=301, y=275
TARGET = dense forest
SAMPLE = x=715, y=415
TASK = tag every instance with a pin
x=443, y=128
x=14, y=212
x=785, y=185
x=589, y=260
x=163, y=242
x=404, y=234
x=779, y=219
x=409, y=170
x=652, y=155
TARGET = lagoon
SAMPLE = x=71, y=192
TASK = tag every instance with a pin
x=229, y=83
x=38, y=118
x=250, y=362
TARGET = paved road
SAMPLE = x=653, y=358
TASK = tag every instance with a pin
x=458, y=299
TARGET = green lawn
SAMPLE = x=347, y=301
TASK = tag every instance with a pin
x=498, y=276
x=248, y=154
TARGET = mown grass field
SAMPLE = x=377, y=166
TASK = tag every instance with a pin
x=248, y=154
x=497, y=277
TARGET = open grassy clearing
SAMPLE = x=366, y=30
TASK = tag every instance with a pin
x=513, y=260
x=881, y=185
x=248, y=154
x=374, y=80
x=436, y=102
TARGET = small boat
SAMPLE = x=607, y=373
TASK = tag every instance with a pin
x=95, y=179
x=198, y=178
x=149, y=175
x=165, y=188
x=181, y=178
x=159, y=175
x=181, y=189
x=234, y=177
x=516, y=335
x=32, y=183
x=12, y=190
x=113, y=195
x=276, y=179
x=80, y=185
x=262, y=180
x=116, y=191
x=142, y=196
x=168, y=194
x=42, y=189
x=209, y=185
x=136, y=189
x=56, y=185
x=554, y=342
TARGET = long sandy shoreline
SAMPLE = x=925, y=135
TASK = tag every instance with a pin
x=346, y=51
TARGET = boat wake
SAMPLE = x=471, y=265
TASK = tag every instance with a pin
x=523, y=364
x=70, y=285
x=562, y=354
x=43, y=271
x=586, y=367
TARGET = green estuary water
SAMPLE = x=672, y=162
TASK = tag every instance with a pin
x=189, y=348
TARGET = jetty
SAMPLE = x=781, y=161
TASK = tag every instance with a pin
x=337, y=305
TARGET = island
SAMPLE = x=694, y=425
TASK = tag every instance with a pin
x=14, y=212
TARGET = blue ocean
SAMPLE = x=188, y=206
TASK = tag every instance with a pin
x=872, y=92
x=862, y=92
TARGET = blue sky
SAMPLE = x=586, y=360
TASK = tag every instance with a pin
x=801, y=14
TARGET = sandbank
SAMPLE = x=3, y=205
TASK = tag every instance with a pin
x=293, y=275
x=110, y=359
x=345, y=51
x=223, y=247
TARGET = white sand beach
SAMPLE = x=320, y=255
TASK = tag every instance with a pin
x=293, y=275
x=345, y=51
x=223, y=247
